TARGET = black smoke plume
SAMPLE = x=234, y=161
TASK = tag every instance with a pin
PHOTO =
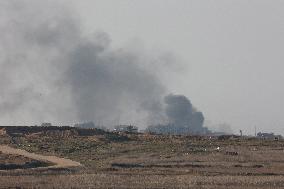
x=183, y=118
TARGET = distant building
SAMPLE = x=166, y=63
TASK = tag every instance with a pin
x=46, y=124
x=87, y=125
x=269, y=136
x=174, y=129
x=126, y=128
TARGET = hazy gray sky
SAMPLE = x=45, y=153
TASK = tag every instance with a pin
x=231, y=51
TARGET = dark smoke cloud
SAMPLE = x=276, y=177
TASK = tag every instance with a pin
x=106, y=83
x=182, y=117
x=181, y=112
x=52, y=72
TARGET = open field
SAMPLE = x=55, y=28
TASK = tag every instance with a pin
x=112, y=160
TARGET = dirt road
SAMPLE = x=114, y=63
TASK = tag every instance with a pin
x=58, y=162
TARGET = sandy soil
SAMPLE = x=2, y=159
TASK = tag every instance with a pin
x=58, y=162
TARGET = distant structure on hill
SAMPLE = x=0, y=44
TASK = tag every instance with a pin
x=269, y=136
x=88, y=125
x=46, y=124
x=126, y=128
x=177, y=129
x=215, y=133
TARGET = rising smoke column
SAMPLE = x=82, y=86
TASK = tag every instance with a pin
x=107, y=85
x=35, y=37
x=52, y=72
x=182, y=117
x=181, y=113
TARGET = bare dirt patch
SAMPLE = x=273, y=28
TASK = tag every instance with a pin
x=10, y=162
x=54, y=161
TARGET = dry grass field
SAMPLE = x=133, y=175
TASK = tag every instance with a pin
x=149, y=161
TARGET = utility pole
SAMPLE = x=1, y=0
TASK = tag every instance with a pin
x=255, y=131
x=241, y=132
